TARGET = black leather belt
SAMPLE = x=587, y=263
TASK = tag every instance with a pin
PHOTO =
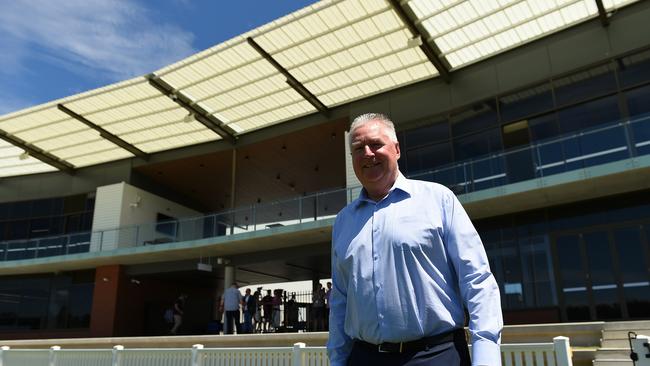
x=414, y=346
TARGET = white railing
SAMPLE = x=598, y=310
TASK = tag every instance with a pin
x=557, y=353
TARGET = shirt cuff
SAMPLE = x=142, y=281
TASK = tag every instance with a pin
x=485, y=352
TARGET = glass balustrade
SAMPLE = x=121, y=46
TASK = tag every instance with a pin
x=614, y=142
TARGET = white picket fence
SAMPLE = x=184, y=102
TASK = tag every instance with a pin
x=557, y=353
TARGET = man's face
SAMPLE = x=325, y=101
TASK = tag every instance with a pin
x=374, y=158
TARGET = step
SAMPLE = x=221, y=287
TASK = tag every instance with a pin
x=622, y=353
x=623, y=334
x=615, y=343
x=627, y=325
x=613, y=363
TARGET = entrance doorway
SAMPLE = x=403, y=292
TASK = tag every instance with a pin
x=603, y=274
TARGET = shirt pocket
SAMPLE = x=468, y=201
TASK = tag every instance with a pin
x=415, y=233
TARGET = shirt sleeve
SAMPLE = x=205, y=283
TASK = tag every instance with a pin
x=477, y=285
x=339, y=344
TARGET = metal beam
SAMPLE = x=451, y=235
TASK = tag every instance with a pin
x=201, y=115
x=103, y=133
x=602, y=14
x=430, y=49
x=292, y=81
x=38, y=153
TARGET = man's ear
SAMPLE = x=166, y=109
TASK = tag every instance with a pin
x=397, y=150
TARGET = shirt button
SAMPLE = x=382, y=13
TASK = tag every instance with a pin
x=376, y=257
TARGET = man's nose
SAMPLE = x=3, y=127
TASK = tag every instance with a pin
x=367, y=151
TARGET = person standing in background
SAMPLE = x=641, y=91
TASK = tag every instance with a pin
x=178, y=308
x=250, y=306
x=230, y=302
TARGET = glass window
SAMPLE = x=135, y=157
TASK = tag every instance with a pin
x=477, y=118
x=72, y=223
x=544, y=127
x=539, y=285
x=20, y=210
x=425, y=135
x=525, y=103
x=39, y=227
x=18, y=229
x=165, y=224
x=428, y=157
x=9, y=305
x=601, y=272
x=634, y=69
x=585, y=84
x=634, y=271
x=572, y=278
x=512, y=275
x=5, y=211
x=42, y=208
x=590, y=114
x=637, y=100
x=477, y=145
x=80, y=304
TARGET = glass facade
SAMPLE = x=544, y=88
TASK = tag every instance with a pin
x=46, y=217
x=585, y=261
x=45, y=227
x=42, y=302
x=585, y=100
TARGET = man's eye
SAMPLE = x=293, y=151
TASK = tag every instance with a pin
x=376, y=146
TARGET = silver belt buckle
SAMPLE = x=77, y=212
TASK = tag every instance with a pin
x=380, y=350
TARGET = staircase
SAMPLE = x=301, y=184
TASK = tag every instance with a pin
x=614, y=345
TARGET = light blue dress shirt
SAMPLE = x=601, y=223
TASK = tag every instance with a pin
x=403, y=267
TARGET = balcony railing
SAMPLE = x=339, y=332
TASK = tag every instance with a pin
x=45, y=247
x=614, y=142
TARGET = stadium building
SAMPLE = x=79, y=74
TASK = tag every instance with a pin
x=232, y=164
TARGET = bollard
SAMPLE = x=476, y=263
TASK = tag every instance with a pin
x=2, y=356
x=196, y=359
x=117, y=355
x=53, y=350
x=297, y=354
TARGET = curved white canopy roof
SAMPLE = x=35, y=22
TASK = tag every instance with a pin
x=324, y=55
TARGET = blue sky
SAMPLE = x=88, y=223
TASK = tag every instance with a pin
x=52, y=49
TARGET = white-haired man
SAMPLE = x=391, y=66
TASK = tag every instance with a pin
x=406, y=260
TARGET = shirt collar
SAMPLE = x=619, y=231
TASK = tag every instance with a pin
x=401, y=184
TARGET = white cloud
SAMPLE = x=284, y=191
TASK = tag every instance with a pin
x=116, y=39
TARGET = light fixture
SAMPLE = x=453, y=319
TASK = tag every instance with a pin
x=189, y=118
x=205, y=267
x=24, y=155
x=414, y=42
x=136, y=202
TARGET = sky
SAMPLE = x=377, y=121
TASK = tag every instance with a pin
x=53, y=49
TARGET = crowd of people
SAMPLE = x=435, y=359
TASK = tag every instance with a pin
x=266, y=311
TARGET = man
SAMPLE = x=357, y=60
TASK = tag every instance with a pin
x=258, y=311
x=405, y=259
x=328, y=293
x=230, y=302
x=250, y=306
x=317, y=308
x=267, y=306
x=178, y=309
